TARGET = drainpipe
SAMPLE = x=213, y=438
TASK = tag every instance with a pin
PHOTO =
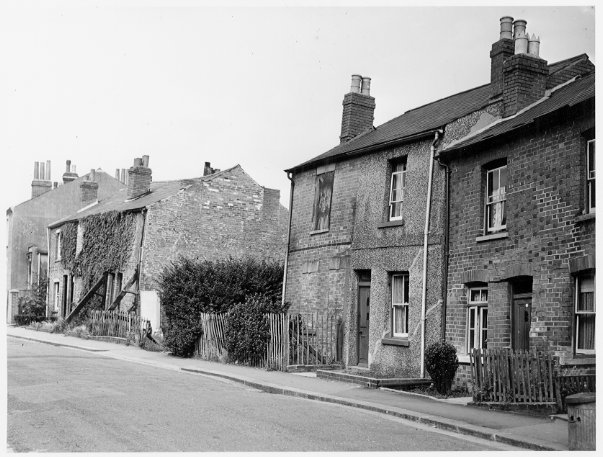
x=446, y=246
x=425, y=239
x=289, y=176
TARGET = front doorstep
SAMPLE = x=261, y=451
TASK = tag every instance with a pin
x=369, y=381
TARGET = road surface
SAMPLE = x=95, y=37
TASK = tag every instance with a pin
x=68, y=400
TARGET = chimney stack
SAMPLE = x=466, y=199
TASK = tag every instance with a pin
x=139, y=178
x=358, y=109
x=41, y=182
x=89, y=189
x=524, y=73
x=208, y=170
x=70, y=174
x=501, y=50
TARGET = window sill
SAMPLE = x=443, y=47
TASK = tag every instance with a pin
x=398, y=341
x=390, y=224
x=585, y=217
x=464, y=358
x=579, y=359
x=317, y=232
x=494, y=236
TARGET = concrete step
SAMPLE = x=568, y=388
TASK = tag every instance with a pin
x=370, y=381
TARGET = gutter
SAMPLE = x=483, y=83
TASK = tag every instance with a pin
x=425, y=239
x=289, y=177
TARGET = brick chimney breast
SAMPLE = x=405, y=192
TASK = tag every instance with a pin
x=358, y=109
x=525, y=79
x=41, y=182
x=70, y=174
x=139, y=178
x=89, y=189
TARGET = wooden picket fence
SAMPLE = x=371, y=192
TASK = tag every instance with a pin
x=210, y=345
x=294, y=339
x=117, y=323
x=507, y=376
x=569, y=384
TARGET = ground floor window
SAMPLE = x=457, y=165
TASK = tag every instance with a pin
x=585, y=313
x=477, y=318
x=57, y=296
x=400, y=305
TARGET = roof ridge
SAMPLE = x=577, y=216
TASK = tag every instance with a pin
x=444, y=98
x=571, y=61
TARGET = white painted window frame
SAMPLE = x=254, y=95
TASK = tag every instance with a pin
x=58, y=242
x=479, y=308
x=392, y=202
x=57, y=295
x=491, y=202
x=399, y=306
x=578, y=314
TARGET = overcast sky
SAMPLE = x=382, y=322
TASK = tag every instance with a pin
x=103, y=83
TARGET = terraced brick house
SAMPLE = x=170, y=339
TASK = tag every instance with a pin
x=521, y=271
x=369, y=218
x=125, y=240
x=27, y=253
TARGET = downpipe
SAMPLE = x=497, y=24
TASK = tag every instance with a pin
x=425, y=245
x=289, y=176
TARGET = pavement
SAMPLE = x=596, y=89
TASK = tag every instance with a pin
x=528, y=432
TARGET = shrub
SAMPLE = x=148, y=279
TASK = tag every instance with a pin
x=32, y=308
x=247, y=330
x=441, y=363
x=188, y=287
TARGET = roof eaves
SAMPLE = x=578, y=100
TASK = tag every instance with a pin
x=366, y=149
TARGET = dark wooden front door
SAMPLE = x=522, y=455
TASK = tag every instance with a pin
x=64, y=310
x=522, y=318
x=364, y=296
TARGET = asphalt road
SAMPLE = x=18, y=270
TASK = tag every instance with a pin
x=67, y=400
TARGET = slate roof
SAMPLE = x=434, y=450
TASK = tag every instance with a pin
x=160, y=190
x=569, y=95
x=417, y=122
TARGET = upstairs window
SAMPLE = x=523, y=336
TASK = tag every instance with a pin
x=400, y=305
x=496, y=200
x=477, y=319
x=590, y=175
x=585, y=314
x=396, y=191
x=323, y=192
x=59, y=239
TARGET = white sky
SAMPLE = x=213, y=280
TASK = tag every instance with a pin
x=102, y=82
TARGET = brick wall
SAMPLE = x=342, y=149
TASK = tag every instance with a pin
x=524, y=81
x=226, y=214
x=545, y=200
x=322, y=267
x=358, y=115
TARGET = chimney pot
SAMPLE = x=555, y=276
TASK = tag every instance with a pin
x=366, y=86
x=48, y=178
x=145, y=161
x=117, y=174
x=534, y=45
x=521, y=44
x=42, y=175
x=138, y=162
x=36, y=170
x=506, y=27
x=92, y=176
x=356, y=84
x=519, y=27
x=68, y=166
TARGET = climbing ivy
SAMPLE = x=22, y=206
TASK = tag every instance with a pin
x=107, y=245
x=68, y=244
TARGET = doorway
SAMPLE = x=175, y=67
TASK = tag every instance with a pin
x=521, y=312
x=364, y=312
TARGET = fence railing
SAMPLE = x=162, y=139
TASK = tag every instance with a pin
x=294, y=339
x=117, y=323
x=504, y=375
